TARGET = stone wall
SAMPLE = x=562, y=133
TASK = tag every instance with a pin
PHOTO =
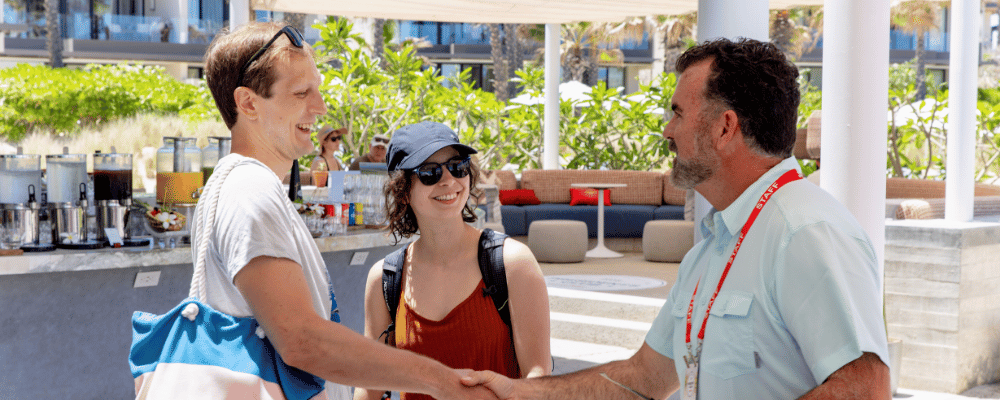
x=942, y=287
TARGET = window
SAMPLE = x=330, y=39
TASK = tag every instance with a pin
x=612, y=76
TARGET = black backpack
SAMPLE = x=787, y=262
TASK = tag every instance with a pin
x=490, y=265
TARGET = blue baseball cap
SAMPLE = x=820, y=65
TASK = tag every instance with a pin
x=413, y=144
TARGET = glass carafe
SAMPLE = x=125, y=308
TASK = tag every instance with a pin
x=113, y=177
x=64, y=174
x=178, y=181
x=218, y=147
x=17, y=173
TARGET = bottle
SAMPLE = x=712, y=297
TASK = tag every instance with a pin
x=294, y=185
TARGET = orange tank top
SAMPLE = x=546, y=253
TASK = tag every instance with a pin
x=471, y=336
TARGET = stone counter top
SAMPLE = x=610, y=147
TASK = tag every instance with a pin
x=109, y=258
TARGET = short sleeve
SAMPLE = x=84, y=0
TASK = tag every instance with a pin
x=827, y=290
x=661, y=334
x=252, y=219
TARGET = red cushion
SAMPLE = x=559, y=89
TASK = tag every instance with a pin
x=587, y=197
x=519, y=197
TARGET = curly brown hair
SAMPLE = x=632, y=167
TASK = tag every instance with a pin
x=402, y=220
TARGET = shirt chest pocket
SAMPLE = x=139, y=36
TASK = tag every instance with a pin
x=728, y=350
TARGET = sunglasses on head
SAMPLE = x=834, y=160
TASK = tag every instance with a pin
x=380, y=140
x=431, y=173
x=293, y=36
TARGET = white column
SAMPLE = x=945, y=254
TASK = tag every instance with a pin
x=182, y=25
x=962, y=75
x=727, y=19
x=239, y=13
x=732, y=19
x=855, y=95
x=550, y=146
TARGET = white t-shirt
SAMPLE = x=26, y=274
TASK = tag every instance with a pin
x=255, y=218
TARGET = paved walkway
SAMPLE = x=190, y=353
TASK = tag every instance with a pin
x=598, y=325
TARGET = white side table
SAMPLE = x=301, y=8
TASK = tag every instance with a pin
x=600, y=251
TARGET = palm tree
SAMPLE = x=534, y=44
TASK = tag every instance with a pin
x=917, y=17
x=677, y=32
x=796, y=31
x=513, y=52
x=53, y=38
x=588, y=45
x=378, y=41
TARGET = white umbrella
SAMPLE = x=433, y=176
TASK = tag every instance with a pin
x=574, y=91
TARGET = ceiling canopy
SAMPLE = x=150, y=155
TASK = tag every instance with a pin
x=498, y=11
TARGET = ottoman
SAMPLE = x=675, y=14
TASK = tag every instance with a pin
x=667, y=240
x=558, y=241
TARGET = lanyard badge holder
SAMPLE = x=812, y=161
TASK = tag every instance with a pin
x=692, y=359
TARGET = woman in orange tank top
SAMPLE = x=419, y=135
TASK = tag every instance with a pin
x=443, y=311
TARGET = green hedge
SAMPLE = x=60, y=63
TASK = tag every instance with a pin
x=62, y=100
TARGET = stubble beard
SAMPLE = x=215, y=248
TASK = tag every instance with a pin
x=687, y=174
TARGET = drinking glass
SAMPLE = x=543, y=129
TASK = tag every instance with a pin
x=11, y=237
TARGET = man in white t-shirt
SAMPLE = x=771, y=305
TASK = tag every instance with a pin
x=262, y=261
x=781, y=298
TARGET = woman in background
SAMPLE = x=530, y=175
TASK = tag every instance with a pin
x=329, y=144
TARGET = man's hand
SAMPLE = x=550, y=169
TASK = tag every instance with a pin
x=501, y=386
x=468, y=391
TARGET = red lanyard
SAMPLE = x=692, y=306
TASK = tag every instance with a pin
x=789, y=176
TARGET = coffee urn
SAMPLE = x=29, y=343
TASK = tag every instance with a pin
x=21, y=180
x=113, y=195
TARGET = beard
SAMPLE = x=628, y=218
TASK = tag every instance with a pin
x=690, y=173
x=687, y=174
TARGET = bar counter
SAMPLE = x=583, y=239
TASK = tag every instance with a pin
x=65, y=328
x=62, y=260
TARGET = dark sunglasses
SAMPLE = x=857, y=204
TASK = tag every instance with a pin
x=334, y=138
x=431, y=173
x=380, y=140
x=293, y=36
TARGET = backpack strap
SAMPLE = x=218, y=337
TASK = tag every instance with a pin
x=392, y=282
x=492, y=268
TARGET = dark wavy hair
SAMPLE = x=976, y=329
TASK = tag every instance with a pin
x=756, y=81
x=402, y=220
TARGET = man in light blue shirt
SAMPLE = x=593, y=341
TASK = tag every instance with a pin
x=781, y=299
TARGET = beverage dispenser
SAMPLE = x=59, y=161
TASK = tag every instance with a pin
x=66, y=178
x=218, y=147
x=20, y=199
x=178, y=172
x=179, y=177
x=113, y=194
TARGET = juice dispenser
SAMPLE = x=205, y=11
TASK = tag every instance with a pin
x=21, y=180
x=113, y=194
x=178, y=175
x=178, y=172
x=218, y=147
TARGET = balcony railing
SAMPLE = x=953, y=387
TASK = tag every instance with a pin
x=130, y=28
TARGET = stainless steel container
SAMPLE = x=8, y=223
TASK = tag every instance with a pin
x=69, y=223
x=111, y=214
x=24, y=217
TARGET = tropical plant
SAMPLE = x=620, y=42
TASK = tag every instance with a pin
x=917, y=17
x=796, y=31
x=675, y=33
